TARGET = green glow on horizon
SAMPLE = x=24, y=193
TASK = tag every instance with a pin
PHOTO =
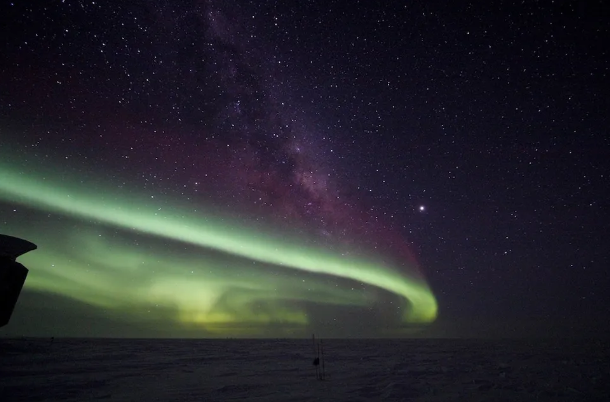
x=195, y=289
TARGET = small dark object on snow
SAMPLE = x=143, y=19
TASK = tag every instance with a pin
x=318, y=350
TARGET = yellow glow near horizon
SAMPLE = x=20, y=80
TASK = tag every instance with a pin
x=233, y=272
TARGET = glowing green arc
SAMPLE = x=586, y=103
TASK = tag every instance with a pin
x=208, y=233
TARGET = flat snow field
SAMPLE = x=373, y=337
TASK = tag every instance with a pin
x=282, y=370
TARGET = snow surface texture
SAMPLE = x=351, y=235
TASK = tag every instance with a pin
x=282, y=370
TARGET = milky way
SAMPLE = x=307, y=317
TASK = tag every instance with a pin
x=167, y=175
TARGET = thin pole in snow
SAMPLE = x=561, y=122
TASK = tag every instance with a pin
x=316, y=360
x=318, y=351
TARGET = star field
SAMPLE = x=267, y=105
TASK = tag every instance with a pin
x=272, y=168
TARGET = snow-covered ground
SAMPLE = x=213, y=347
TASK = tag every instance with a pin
x=282, y=370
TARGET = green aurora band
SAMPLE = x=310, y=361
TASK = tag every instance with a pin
x=246, y=262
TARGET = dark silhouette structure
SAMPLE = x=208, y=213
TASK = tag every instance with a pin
x=12, y=274
x=318, y=350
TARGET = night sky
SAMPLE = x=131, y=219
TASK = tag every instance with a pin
x=277, y=168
